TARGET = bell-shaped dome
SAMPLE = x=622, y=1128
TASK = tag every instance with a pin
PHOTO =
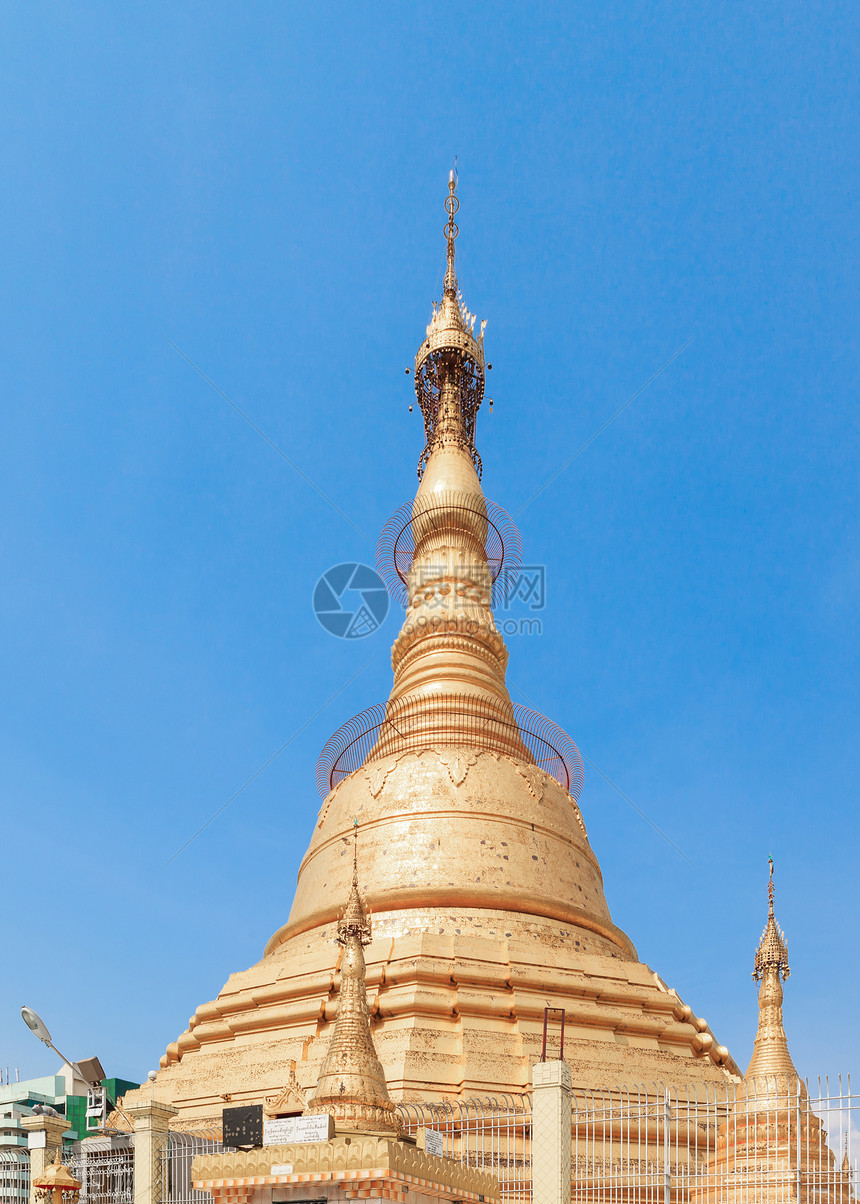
x=452, y=832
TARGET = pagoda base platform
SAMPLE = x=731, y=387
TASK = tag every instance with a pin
x=454, y=1014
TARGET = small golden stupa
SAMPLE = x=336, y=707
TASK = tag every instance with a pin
x=487, y=897
x=351, y=1086
x=773, y=1144
x=56, y=1184
x=366, y=1158
x=771, y=1059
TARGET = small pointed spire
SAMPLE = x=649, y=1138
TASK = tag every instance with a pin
x=452, y=204
x=770, y=1053
x=449, y=634
x=351, y=1085
x=354, y=919
x=449, y=366
x=773, y=947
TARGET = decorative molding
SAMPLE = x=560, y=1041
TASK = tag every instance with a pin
x=376, y=772
x=578, y=814
x=291, y=1099
x=458, y=762
x=531, y=775
x=351, y=1162
x=457, y=633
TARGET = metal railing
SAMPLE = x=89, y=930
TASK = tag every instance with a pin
x=14, y=1176
x=178, y=1153
x=769, y=1142
x=106, y=1175
x=766, y=1142
x=446, y=514
x=413, y=723
x=490, y=1134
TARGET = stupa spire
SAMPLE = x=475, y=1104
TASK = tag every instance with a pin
x=449, y=659
x=452, y=204
x=354, y=921
x=351, y=1085
x=770, y=1053
x=468, y=802
x=450, y=368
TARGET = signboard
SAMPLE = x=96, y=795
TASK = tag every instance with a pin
x=38, y=1140
x=243, y=1127
x=433, y=1142
x=282, y=1168
x=287, y=1130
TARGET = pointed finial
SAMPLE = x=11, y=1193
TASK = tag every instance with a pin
x=354, y=921
x=773, y=947
x=452, y=204
x=449, y=366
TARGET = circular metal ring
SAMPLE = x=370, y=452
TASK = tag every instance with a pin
x=503, y=546
x=550, y=748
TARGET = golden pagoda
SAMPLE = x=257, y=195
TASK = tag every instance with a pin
x=771, y=1059
x=487, y=897
x=773, y=1148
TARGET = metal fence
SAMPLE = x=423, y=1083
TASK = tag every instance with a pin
x=764, y=1142
x=178, y=1153
x=14, y=1176
x=770, y=1142
x=106, y=1174
x=490, y=1134
x=767, y=1142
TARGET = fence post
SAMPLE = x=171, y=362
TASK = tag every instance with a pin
x=551, y=1133
x=667, y=1147
x=44, y=1138
x=798, y=1089
x=151, y=1121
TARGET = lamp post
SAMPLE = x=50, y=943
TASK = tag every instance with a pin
x=90, y=1073
x=37, y=1025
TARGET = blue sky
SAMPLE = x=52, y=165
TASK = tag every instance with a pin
x=261, y=185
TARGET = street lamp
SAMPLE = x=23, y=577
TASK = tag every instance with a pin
x=37, y=1025
x=89, y=1072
